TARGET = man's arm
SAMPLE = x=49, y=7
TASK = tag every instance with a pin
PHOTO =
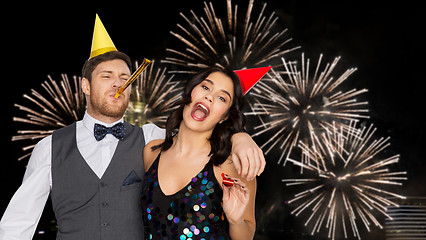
x=23, y=213
x=247, y=157
x=153, y=132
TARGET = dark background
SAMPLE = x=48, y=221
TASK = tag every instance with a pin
x=384, y=40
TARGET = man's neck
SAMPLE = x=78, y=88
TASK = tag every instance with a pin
x=102, y=118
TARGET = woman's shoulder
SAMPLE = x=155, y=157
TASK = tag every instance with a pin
x=149, y=154
x=154, y=143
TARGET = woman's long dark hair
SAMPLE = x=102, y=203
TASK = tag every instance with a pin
x=220, y=140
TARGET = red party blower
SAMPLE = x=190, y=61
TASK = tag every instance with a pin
x=228, y=182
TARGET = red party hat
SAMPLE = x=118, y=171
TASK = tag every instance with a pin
x=249, y=77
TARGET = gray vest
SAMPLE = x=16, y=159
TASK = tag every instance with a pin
x=87, y=207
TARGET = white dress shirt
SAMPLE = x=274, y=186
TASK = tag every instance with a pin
x=23, y=213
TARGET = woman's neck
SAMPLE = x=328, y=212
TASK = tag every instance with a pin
x=188, y=142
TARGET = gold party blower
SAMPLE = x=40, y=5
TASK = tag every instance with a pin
x=133, y=77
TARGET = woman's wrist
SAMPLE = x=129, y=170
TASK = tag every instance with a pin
x=241, y=230
x=236, y=222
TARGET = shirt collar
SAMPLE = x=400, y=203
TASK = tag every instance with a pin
x=89, y=122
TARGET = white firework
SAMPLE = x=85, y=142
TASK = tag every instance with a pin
x=233, y=41
x=346, y=181
x=298, y=105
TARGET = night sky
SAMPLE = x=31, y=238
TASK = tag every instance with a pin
x=384, y=41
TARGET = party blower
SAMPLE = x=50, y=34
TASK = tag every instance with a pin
x=133, y=77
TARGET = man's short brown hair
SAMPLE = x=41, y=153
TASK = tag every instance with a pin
x=90, y=65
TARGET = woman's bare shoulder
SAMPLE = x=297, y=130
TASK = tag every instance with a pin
x=149, y=155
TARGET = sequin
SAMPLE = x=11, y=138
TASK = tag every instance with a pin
x=194, y=212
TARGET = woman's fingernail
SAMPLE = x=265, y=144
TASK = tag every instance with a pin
x=228, y=182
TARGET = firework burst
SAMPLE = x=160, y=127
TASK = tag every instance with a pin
x=232, y=41
x=59, y=105
x=346, y=181
x=154, y=97
x=302, y=106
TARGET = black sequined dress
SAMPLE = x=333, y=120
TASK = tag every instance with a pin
x=194, y=212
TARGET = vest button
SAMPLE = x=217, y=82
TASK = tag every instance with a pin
x=105, y=224
x=104, y=204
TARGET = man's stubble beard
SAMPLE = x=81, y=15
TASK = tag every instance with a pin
x=106, y=109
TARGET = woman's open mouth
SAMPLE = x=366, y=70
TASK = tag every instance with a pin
x=200, y=112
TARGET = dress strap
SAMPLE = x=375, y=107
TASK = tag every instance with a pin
x=154, y=165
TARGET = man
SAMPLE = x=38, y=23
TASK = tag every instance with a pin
x=93, y=169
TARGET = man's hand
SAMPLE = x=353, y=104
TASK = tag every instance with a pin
x=247, y=157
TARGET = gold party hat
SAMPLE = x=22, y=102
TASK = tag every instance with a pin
x=101, y=42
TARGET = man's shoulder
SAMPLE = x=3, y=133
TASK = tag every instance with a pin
x=45, y=141
x=150, y=127
x=153, y=132
x=70, y=127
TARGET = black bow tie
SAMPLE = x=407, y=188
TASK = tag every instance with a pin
x=101, y=131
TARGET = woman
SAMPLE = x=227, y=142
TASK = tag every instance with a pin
x=184, y=196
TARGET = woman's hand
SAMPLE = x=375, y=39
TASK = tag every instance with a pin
x=235, y=200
